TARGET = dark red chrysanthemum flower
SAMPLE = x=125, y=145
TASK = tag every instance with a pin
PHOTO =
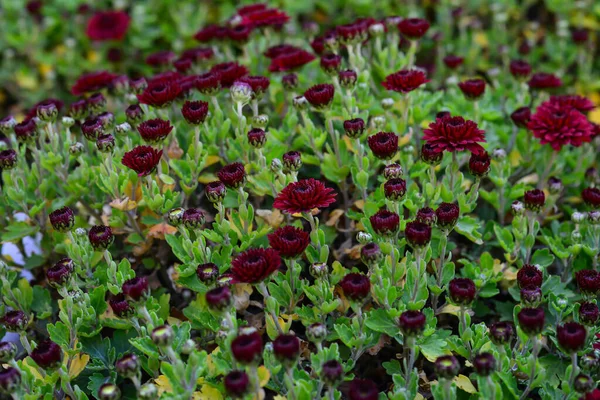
x=363, y=389
x=160, y=94
x=571, y=336
x=259, y=84
x=352, y=33
x=219, y=298
x=100, y=237
x=208, y=83
x=453, y=61
x=543, y=80
x=207, y=273
x=164, y=77
x=580, y=103
x=479, y=164
x=233, y=175
x=289, y=241
x=45, y=110
x=47, y=354
x=211, y=33
x=290, y=60
x=263, y=17
x=588, y=313
x=78, y=109
x=426, y=215
x=60, y=272
x=394, y=189
x=92, y=82
x=413, y=28
x=384, y=145
x=501, y=332
x=588, y=281
x=197, y=54
x=385, y=222
x=534, y=199
x=136, y=288
x=108, y=25
x=354, y=127
x=591, y=197
x=289, y=81
x=531, y=320
x=239, y=33
x=371, y=253
x=446, y=367
x=215, y=191
x=142, y=159
x=62, y=219
x=454, y=134
x=154, y=130
x=280, y=49
x=318, y=45
x=580, y=35
x=332, y=372
x=320, y=96
x=237, y=384
x=418, y=234
x=120, y=306
x=472, y=88
x=484, y=364
x=529, y=275
x=194, y=112
x=447, y=215
x=15, y=321
x=405, y=81
x=462, y=291
x=292, y=161
x=229, y=72
x=431, y=155
x=355, y=286
x=558, y=126
x=286, y=348
x=255, y=265
x=412, y=323
x=25, y=130
x=303, y=196
x=520, y=69
x=331, y=63
x=161, y=58
x=8, y=159
x=521, y=117
x=247, y=349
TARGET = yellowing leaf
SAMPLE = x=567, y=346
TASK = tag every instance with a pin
x=207, y=178
x=160, y=230
x=481, y=39
x=263, y=375
x=208, y=392
x=404, y=140
x=163, y=384
x=78, y=364
x=334, y=217
x=279, y=397
x=419, y=396
x=210, y=160
x=360, y=204
x=450, y=309
x=273, y=218
x=465, y=384
x=123, y=204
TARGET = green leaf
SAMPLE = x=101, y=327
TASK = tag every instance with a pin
x=380, y=321
x=18, y=230
x=42, y=302
x=59, y=333
x=468, y=227
x=542, y=257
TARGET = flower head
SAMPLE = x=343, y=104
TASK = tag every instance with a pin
x=394, y=189
x=531, y=320
x=320, y=96
x=208, y=83
x=136, y=288
x=588, y=313
x=558, y=126
x=48, y=355
x=418, y=234
x=501, y=332
x=289, y=241
x=543, y=81
x=405, y=81
x=355, y=286
x=521, y=117
x=412, y=323
x=454, y=134
x=101, y=237
x=571, y=336
x=195, y=112
x=446, y=367
x=255, y=265
x=384, y=145
x=108, y=25
x=580, y=103
x=588, y=281
x=534, y=199
x=484, y=363
x=479, y=164
x=15, y=321
x=291, y=60
x=237, y=384
x=363, y=389
x=10, y=380
x=247, y=348
x=413, y=28
x=447, y=215
x=453, y=61
x=92, y=82
x=472, y=88
x=286, y=348
x=219, y=298
x=160, y=94
x=8, y=159
x=142, y=159
x=120, y=306
x=62, y=219
x=229, y=72
x=303, y=196
x=233, y=175
x=520, y=69
x=529, y=275
x=385, y=222
x=462, y=291
x=155, y=130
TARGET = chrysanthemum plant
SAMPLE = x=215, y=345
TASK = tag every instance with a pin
x=387, y=207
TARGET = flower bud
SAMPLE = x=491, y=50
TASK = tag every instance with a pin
x=219, y=299
x=257, y=138
x=241, y=92
x=15, y=321
x=276, y=165
x=318, y=270
x=583, y=384
x=215, y=191
x=300, y=103
x=134, y=114
x=531, y=296
x=80, y=232
x=418, y=234
x=331, y=63
x=67, y=122
x=105, y=143
x=332, y=373
x=377, y=29
x=427, y=216
x=207, y=273
x=8, y=351
x=292, y=161
x=175, y=216
x=571, y=336
x=76, y=149
x=92, y=128
x=394, y=189
x=8, y=159
x=60, y=273
x=286, y=348
x=588, y=313
x=163, y=336
x=101, y=237
x=63, y=219
x=347, y=78
x=233, y=175
x=47, y=355
x=316, y=332
x=363, y=237
x=193, y=218
x=412, y=323
x=589, y=362
x=479, y=164
x=446, y=367
x=289, y=81
x=594, y=217
x=47, y=111
x=96, y=103
x=10, y=380
x=247, y=348
x=462, y=291
x=385, y=223
x=499, y=154
x=136, y=289
x=122, y=128
x=387, y=103
x=534, y=200
x=354, y=128
x=137, y=86
x=578, y=217
x=517, y=207
x=430, y=155
x=484, y=364
x=378, y=122
x=128, y=366
x=531, y=320
x=501, y=333
x=237, y=384
x=260, y=121
x=393, y=171
x=555, y=185
x=7, y=124
x=107, y=119
x=530, y=275
x=371, y=254
x=109, y=391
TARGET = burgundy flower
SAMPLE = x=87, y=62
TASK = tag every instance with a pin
x=543, y=80
x=405, y=81
x=233, y=175
x=207, y=273
x=320, y=96
x=529, y=275
x=8, y=159
x=292, y=161
x=394, y=189
x=193, y=218
x=453, y=61
x=198, y=54
x=259, y=84
x=393, y=171
x=479, y=164
x=289, y=241
x=108, y=25
x=580, y=35
x=484, y=364
x=363, y=389
x=92, y=82
x=354, y=127
x=462, y=291
x=96, y=103
x=588, y=281
x=15, y=321
x=229, y=72
x=120, y=306
x=195, y=112
x=237, y=384
x=142, y=159
x=48, y=355
x=385, y=222
x=290, y=60
x=331, y=63
x=215, y=191
x=384, y=145
x=521, y=117
x=264, y=17
x=431, y=155
x=211, y=33
x=355, y=286
x=128, y=366
x=154, y=130
x=446, y=367
x=257, y=138
x=219, y=298
x=454, y=134
x=531, y=296
x=472, y=88
x=531, y=320
x=239, y=34
x=351, y=33
x=426, y=215
x=10, y=381
x=591, y=197
x=412, y=323
x=78, y=109
x=588, y=313
x=413, y=28
x=286, y=348
x=138, y=85
x=25, y=131
x=571, y=336
x=559, y=126
x=160, y=58
x=347, y=78
x=520, y=69
x=501, y=332
x=289, y=81
x=208, y=83
x=332, y=372
x=534, y=199
x=580, y=103
x=371, y=253
x=248, y=348
x=101, y=237
x=46, y=110
x=62, y=219
x=418, y=234
x=303, y=196
x=136, y=288
x=160, y=94
x=447, y=215
x=280, y=49
x=134, y=114
x=255, y=265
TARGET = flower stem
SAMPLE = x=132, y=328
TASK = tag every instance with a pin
x=262, y=288
x=534, y=355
